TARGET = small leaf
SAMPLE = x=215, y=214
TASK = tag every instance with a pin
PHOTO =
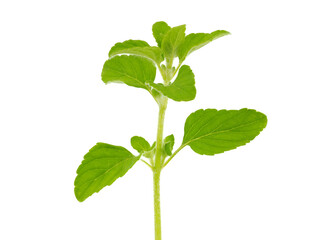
x=102, y=165
x=159, y=30
x=172, y=40
x=194, y=41
x=132, y=70
x=140, y=144
x=211, y=131
x=169, y=144
x=182, y=89
x=139, y=48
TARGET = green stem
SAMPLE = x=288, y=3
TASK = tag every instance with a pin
x=157, y=169
x=157, y=208
x=179, y=65
x=159, y=158
x=159, y=137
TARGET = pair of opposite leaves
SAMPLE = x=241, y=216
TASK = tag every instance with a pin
x=207, y=131
x=139, y=68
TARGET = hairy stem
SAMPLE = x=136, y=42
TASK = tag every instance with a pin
x=159, y=137
x=157, y=169
x=159, y=159
x=157, y=208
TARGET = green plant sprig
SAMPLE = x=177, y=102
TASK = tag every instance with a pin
x=206, y=131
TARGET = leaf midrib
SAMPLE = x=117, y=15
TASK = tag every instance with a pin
x=223, y=131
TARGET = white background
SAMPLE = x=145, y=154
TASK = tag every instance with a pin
x=54, y=108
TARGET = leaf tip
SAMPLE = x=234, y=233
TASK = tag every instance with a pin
x=78, y=196
x=226, y=32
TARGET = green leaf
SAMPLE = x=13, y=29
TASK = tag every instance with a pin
x=169, y=144
x=159, y=30
x=182, y=89
x=127, y=44
x=139, y=48
x=140, y=144
x=172, y=40
x=211, y=131
x=194, y=41
x=132, y=70
x=102, y=165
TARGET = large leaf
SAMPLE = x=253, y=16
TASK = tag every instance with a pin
x=194, y=41
x=139, y=48
x=159, y=30
x=172, y=40
x=182, y=89
x=132, y=70
x=211, y=131
x=102, y=165
x=140, y=144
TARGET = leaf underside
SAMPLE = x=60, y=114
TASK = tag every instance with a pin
x=139, y=48
x=182, y=89
x=120, y=46
x=211, y=131
x=102, y=165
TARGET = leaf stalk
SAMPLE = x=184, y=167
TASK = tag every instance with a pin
x=173, y=155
